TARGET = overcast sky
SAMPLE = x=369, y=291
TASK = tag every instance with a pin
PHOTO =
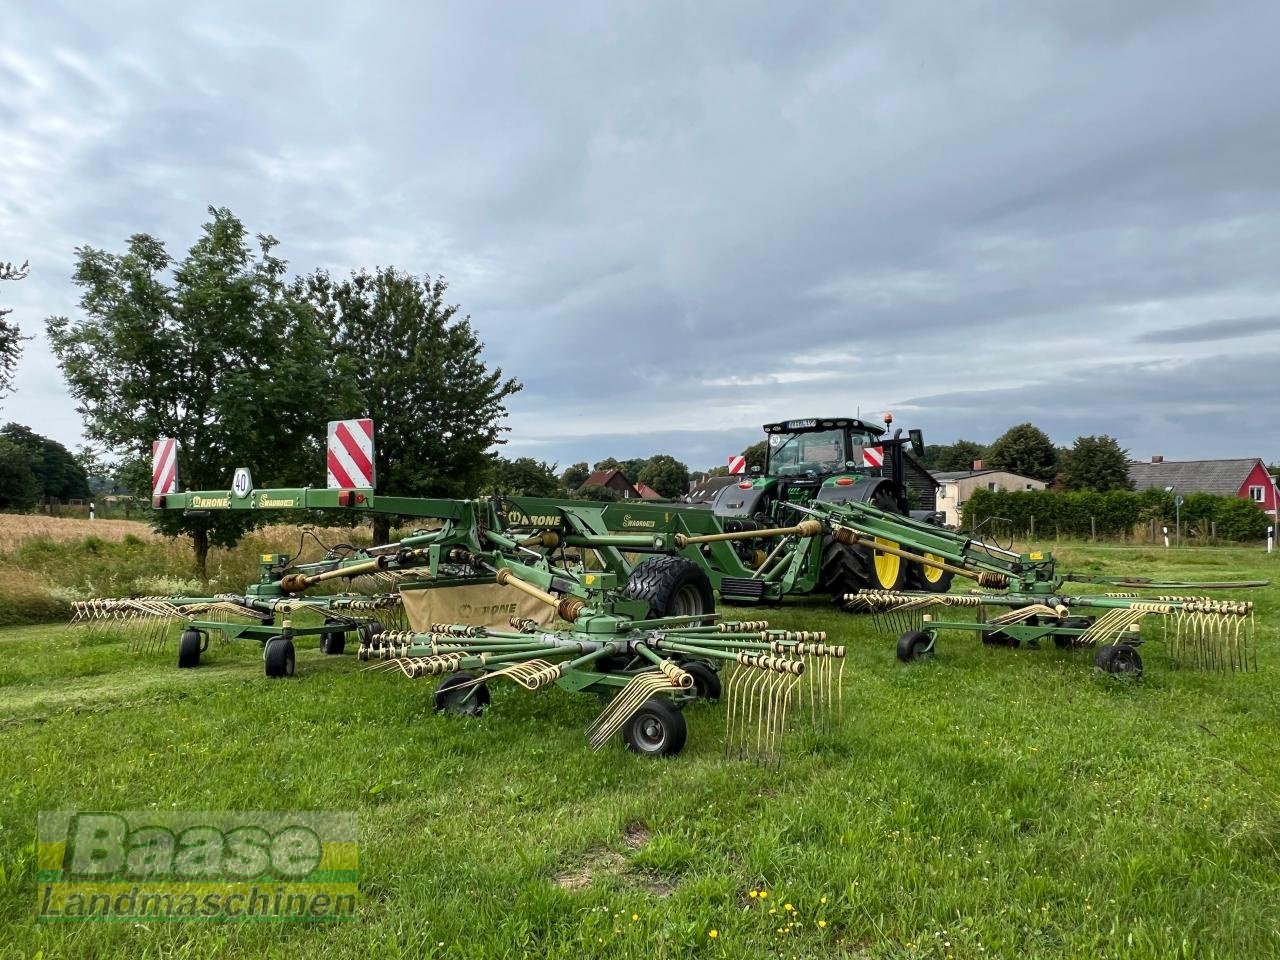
x=674, y=222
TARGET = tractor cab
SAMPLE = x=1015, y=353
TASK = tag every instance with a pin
x=813, y=449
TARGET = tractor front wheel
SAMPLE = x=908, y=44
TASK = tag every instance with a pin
x=278, y=657
x=915, y=645
x=922, y=576
x=1118, y=659
x=458, y=693
x=657, y=729
x=189, y=646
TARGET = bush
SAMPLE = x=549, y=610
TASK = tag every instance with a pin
x=1113, y=514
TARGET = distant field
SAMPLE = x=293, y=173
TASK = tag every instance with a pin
x=16, y=529
x=993, y=803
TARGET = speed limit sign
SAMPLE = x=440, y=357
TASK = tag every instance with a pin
x=242, y=482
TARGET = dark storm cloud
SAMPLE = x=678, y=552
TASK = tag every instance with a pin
x=676, y=222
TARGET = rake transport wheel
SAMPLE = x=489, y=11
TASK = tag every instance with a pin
x=1066, y=641
x=190, y=646
x=672, y=586
x=466, y=701
x=334, y=643
x=1118, y=659
x=706, y=682
x=657, y=729
x=915, y=645
x=278, y=657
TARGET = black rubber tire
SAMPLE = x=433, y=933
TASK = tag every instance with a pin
x=672, y=586
x=998, y=638
x=1066, y=641
x=369, y=629
x=916, y=579
x=1118, y=659
x=278, y=657
x=706, y=682
x=657, y=729
x=334, y=643
x=843, y=570
x=448, y=699
x=914, y=645
x=189, y=646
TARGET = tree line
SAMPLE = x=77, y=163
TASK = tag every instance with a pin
x=1096, y=463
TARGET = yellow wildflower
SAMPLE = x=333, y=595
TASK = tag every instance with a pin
x=822, y=924
x=713, y=934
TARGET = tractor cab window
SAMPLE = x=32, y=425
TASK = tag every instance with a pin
x=798, y=454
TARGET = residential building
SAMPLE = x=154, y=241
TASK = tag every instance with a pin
x=1245, y=477
x=957, y=486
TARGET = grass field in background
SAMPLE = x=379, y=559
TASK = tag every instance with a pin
x=991, y=803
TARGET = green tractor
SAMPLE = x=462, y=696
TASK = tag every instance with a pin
x=838, y=460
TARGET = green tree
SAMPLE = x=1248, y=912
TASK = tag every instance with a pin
x=1096, y=463
x=575, y=476
x=523, y=477
x=599, y=493
x=957, y=456
x=667, y=475
x=213, y=351
x=608, y=463
x=17, y=481
x=58, y=475
x=756, y=454
x=1026, y=450
x=418, y=371
x=10, y=335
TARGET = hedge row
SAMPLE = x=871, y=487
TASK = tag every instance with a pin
x=1117, y=513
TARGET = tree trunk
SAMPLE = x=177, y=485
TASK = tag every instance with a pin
x=200, y=545
x=381, y=530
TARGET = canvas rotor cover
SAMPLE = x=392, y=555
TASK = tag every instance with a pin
x=475, y=605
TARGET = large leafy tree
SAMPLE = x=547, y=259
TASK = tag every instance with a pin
x=10, y=336
x=17, y=481
x=575, y=476
x=523, y=476
x=665, y=474
x=213, y=350
x=417, y=368
x=57, y=473
x=1096, y=463
x=957, y=456
x=1024, y=449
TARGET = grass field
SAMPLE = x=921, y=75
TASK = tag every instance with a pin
x=992, y=803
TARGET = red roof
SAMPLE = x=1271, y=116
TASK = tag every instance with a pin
x=647, y=492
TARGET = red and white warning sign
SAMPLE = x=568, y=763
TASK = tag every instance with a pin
x=873, y=457
x=164, y=467
x=350, y=454
x=738, y=464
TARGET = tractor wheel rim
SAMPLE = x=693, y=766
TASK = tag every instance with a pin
x=887, y=565
x=931, y=574
x=686, y=602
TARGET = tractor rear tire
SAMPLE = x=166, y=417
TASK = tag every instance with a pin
x=278, y=657
x=915, y=645
x=657, y=729
x=672, y=586
x=706, y=682
x=1118, y=659
x=189, y=645
x=451, y=697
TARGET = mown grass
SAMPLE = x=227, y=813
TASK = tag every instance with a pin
x=991, y=803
